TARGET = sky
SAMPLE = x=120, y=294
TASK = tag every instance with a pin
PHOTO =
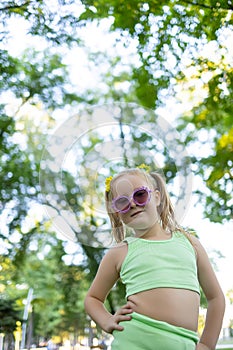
x=214, y=237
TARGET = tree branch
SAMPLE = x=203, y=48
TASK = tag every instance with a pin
x=206, y=6
x=15, y=6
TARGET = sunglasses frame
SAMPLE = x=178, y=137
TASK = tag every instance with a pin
x=148, y=190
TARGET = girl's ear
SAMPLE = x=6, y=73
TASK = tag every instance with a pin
x=157, y=197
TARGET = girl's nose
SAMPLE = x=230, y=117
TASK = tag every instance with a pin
x=132, y=203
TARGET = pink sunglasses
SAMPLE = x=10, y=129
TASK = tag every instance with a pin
x=141, y=196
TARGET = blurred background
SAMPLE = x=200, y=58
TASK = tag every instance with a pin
x=164, y=69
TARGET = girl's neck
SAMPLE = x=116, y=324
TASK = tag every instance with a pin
x=154, y=233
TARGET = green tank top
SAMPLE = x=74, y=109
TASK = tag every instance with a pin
x=159, y=264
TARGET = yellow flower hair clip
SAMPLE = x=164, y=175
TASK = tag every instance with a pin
x=108, y=183
x=145, y=167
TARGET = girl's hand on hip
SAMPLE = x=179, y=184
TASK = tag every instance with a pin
x=122, y=314
x=201, y=346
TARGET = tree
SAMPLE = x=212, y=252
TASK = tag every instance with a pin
x=58, y=288
x=18, y=189
x=9, y=316
x=171, y=37
x=55, y=23
x=40, y=86
x=163, y=49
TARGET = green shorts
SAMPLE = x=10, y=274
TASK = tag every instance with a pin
x=145, y=333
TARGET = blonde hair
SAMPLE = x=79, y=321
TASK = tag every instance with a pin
x=165, y=209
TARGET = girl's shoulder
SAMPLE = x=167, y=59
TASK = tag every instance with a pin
x=198, y=247
x=117, y=254
x=193, y=239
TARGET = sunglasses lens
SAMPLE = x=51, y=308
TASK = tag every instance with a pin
x=141, y=196
x=122, y=204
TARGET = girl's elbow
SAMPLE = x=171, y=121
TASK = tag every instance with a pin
x=221, y=298
x=218, y=299
x=86, y=303
x=222, y=304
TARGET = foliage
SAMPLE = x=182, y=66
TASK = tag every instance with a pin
x=19, y=179
x=168, y=35
x=54, y=22
x=9, y=315
x=37, y=77
x=164, y=30
x=58, y=288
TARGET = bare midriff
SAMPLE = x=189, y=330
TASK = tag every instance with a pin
x=179, y=307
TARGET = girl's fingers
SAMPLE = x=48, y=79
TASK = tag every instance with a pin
x=127, y=305
x=126, y=311
x=118, y=328
x=121, y=318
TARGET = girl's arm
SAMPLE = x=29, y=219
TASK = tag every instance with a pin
x=107, y=275
x=214, y=296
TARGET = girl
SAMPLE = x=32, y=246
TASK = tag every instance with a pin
x=162, y=267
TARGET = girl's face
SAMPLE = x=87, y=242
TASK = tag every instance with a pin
x=140, y=218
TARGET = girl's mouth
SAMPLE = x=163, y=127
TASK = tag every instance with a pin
x=136, y=213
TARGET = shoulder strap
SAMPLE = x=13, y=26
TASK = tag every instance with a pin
x=129, y=239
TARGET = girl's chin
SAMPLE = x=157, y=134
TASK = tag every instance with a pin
x=139, y=229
